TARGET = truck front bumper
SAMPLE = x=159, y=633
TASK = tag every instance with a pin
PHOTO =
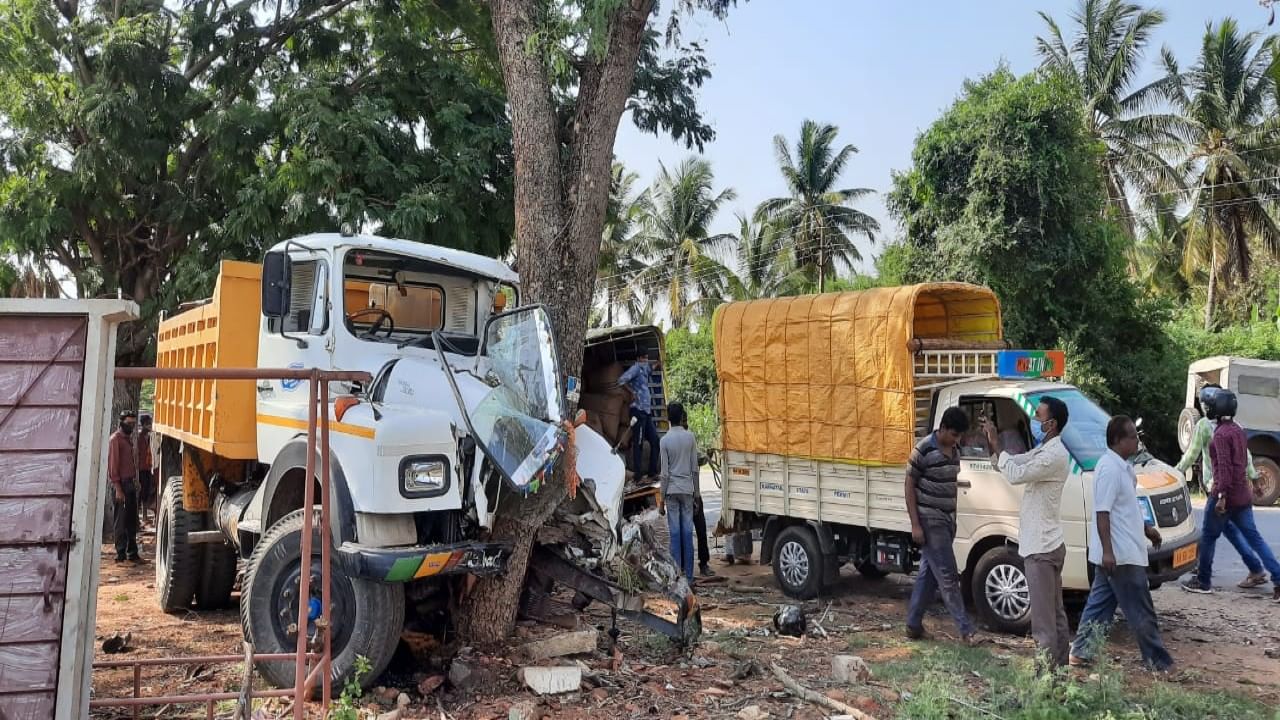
x=1173, y=559
x=402, y=564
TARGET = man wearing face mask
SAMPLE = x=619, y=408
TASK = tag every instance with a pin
x=122, y=474
x=1042, y=472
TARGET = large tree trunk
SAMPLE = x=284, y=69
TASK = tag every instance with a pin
x=561, y=193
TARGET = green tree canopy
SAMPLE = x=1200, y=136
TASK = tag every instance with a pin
x=1005, y=190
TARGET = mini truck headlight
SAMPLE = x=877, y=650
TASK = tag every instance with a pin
x=424, y=476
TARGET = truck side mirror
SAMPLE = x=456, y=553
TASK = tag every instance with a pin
x=276, y=284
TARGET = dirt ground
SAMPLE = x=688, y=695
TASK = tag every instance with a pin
x=1220, y=642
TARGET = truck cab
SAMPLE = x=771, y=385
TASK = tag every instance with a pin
x=988, y=506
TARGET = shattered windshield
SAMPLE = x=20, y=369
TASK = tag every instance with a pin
x=519, y=421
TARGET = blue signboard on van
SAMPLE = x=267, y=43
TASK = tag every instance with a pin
x=1031, y=364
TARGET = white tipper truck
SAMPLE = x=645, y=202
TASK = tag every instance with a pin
x=466, y=404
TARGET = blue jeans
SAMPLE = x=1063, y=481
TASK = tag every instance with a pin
x=645, y=429
x=938, y=573
x=680, y=525
x=1215, y=526
x=1126, y=588
x=1233, y=536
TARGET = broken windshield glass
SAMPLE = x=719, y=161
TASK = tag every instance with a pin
x=519, y=422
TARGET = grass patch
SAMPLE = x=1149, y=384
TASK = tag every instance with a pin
x=951, y=682
x=121, y=598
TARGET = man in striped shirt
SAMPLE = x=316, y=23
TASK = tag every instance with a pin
x=931, y=503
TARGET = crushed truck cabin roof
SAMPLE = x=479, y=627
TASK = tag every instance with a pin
x=831, y=377
x=460, y=259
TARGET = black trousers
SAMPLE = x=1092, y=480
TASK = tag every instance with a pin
x=126, y=522
x=700, y=530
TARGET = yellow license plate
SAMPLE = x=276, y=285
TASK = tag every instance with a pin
x=1184, y=556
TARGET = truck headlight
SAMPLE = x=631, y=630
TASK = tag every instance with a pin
x=424, y=476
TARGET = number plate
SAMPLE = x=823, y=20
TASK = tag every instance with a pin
x=1184, y=556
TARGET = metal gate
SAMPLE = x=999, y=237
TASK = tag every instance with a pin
x=42, y=362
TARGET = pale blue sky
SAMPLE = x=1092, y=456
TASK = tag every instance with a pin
x=881, y=70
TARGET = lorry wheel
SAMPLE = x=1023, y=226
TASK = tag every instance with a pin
x=218, y=579
x=179, y=564
x=1187, y=420
x=367, y=617
x=1000, y=591
x=1267, y=489
x=798, y=562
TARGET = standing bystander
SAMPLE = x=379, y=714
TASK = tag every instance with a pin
x=122, y=474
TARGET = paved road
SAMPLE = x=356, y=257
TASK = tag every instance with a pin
x=1228, y=568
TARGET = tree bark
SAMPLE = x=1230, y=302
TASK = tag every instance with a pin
x=561, y=194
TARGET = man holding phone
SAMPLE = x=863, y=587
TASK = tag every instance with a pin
x=1118, y=554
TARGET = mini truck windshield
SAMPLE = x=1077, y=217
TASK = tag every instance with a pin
x=1086, y=433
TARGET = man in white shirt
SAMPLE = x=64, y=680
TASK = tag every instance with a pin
x=1118, y=554
x=1042, y=473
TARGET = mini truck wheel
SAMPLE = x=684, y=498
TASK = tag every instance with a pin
x=367, y=616
x=1000, y=591
x=798, y=562
x=179, y=565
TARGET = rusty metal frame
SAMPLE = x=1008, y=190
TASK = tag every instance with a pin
x=304, y=675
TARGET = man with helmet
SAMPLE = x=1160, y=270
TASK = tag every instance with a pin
x=1231, y=495
x=1199, y=449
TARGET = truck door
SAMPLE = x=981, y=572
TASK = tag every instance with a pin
x=985, y=498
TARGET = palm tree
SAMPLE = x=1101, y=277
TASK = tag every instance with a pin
x=818, y=220
x=1158, y=258
x=675, y=235
x=1102, y=61
x=620, y=263
x=1226, y=100
x=764, y=267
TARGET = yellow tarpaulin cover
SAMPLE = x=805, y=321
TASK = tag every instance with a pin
x=830, y=376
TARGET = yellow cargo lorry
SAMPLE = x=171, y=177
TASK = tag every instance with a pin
x=466, y=404
x=822, y=398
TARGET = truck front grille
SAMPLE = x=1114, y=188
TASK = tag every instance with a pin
x=1173, y=508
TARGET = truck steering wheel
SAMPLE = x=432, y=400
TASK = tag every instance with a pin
x=383, y=317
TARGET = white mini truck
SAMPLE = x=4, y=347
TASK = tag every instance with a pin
x=822, y=399
x=466, y=405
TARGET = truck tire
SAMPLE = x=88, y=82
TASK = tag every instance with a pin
x=219, y=577
x=1187, y=420
x=1267, y=488
x=1000, y=591
x=179, y=565
x=367, y=617
x=798, y=562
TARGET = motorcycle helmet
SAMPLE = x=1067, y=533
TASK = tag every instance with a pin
x=1218, y=403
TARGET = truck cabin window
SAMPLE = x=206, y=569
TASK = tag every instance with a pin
x=395, y=299
x=1086, y=433
x=1011, y=426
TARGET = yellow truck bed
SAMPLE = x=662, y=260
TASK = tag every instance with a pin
x=217, y=416
x=832, y=377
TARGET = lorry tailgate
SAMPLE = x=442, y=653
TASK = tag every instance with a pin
x=843, y=493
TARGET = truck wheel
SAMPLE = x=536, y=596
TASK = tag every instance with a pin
x=1000, y=591
x=1187, y=427
x=179, y=565
x=367, y=617
x=1267, y=489
x=798, y=562
x=218, y=579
